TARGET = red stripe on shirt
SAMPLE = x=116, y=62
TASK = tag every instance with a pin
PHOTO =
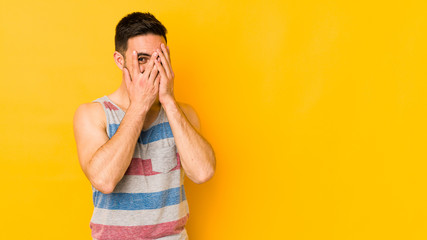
x=100, y=231
x=143, y=167
x=110, y=106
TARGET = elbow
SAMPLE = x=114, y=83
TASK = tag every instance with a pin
x=98, y=180
x=107, y=190
x=103, y=186
x=206, y=176
x=204, y=179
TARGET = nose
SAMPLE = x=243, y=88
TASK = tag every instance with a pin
x=142, y=67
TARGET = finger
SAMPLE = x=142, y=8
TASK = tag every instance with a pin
x=127, y=78
x=157, y=81
x=161, y=69
x=150, y=65
x=170, y=61
x=153, y=74
x=165, y=63
x=166, y=53
x=135, y=66
x=148, y=68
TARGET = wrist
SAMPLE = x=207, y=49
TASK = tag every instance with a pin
x=169, y=103
x=168, y=100
x=138, y=109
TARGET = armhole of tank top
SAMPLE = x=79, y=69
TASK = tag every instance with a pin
x=107, y=117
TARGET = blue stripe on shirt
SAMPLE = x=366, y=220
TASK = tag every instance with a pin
x=139, y=201
x=154, y=133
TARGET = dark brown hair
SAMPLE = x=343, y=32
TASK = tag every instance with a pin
x=135, y=24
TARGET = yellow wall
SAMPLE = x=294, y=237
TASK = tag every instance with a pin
x=316, y=111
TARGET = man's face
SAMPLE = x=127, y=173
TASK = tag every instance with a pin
x=145, y=46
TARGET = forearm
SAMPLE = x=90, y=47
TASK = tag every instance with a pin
x=196, y=154
x=111, y=161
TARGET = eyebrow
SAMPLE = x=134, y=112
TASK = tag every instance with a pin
x=143, y=54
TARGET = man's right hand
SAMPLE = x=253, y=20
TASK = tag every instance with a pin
x=142, y=87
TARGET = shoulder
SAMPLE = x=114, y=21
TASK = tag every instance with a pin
x=191, y=114
x=90, y=113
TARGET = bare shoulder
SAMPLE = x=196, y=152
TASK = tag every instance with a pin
x=89, y=113
x=191, y=114
x=89, y=125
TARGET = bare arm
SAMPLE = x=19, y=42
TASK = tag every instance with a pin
x=197, y=155
x=105, y=161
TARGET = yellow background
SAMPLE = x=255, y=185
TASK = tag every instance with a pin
x=316, y=111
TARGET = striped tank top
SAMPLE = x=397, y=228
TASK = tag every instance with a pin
x=149, y=201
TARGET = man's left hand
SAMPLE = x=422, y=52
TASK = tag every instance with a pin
x=166, y=75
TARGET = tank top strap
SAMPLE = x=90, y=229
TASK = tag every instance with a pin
x=114, y=115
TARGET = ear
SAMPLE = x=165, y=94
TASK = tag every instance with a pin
x=119, y=60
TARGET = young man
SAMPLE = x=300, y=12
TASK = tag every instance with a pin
x=136, y=144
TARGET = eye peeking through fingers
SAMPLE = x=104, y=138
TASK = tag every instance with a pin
x=142, y=60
